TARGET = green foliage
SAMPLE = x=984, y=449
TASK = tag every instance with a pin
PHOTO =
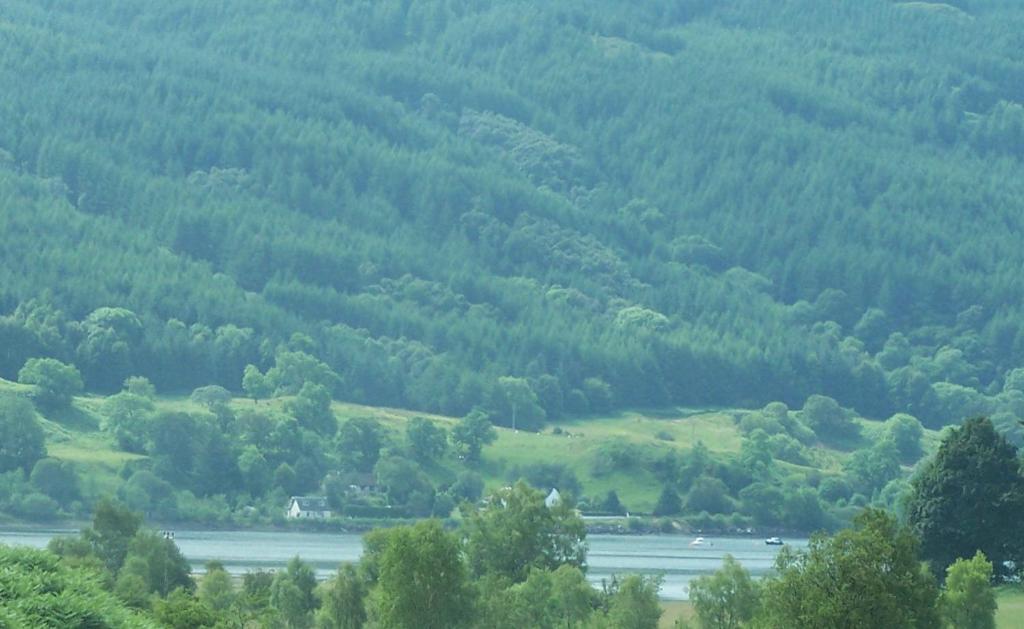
x=968, y=600
x=905, y=432
x=867, y=576
x=292, y=594
x=708, y=494
x=634, y=603
x=342, y=601
x=39, y=589
x=56, y=383
x=871, y=468
x=127, y=416
x=427, y=441
x=828, y=420
x=472, y=433
x=255, y=384
x=211, y=396
x=182, y=610
x=422, y=581
x=359, y=443
x=21, y=437
x=312, y=408
x=517, y=532
x=499, y=190
x=56, y=479
x=727, y=599
x=113, y=527
x=669, y=502
x=158, y=562
x=969, y=498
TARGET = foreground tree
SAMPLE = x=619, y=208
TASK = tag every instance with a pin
x=968, y=602
x=422, y=582
x=727, y=599
x=970, y=497
x=40, y=589
x=342, y=601
x=517, y=532
x=866, y=576
x=634, y=603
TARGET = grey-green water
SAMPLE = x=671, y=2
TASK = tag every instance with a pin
x=671, y=556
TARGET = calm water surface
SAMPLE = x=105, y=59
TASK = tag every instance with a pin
x=671, y=556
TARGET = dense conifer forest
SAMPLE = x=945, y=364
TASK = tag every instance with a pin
x=575, y=206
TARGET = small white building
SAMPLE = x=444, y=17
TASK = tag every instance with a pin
x=307, y=508
x=554, y=499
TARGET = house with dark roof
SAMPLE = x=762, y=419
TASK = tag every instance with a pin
x=308, y=508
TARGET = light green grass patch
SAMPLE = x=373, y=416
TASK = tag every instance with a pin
x=1010, y=614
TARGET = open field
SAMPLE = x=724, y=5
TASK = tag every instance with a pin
x=675, y=610
x=584, y=445
x=1010, y=614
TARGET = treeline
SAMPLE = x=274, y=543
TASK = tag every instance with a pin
x=682, y=204
x=931, y=567
x=219, y=459
x=119, y=574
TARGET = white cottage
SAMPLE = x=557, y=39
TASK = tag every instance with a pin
x=554, y=499
x=307, y=508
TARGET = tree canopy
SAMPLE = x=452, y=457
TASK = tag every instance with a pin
x=970, y=498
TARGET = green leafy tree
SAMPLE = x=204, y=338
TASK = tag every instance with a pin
x=709, y=494
x=827, y=419
x=159, y=562
x=422, y=582
x=867, y=576
x=472, y=433
x=182, y=610
x=669, y=502
x=634, y=604
x=292, y=594
x=612, y=504
x=56, y=383
x=342, y=601
x=211, y=396
x=968, y=600
x=113, y=527
x=216, y=590
x=727, y=599
x=140, y=386
x=359, y=442
x=871, y=468
x=517, y=532
x=127, y=417
x=41, y=589
x=427, y=441
x=312, y=408
x=255, y=384
x=56, y=479
x=405, y=483
x=21, y=437
x=518, y=404
x=970, y=497
x=905, y=432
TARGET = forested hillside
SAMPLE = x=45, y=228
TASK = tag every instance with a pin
x=536, y=208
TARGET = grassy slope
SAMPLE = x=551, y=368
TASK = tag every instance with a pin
x=75, y=437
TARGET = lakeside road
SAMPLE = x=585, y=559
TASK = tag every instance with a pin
x=671, y=556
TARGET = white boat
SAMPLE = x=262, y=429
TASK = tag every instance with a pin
x=697, y=541
x=773, y=541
